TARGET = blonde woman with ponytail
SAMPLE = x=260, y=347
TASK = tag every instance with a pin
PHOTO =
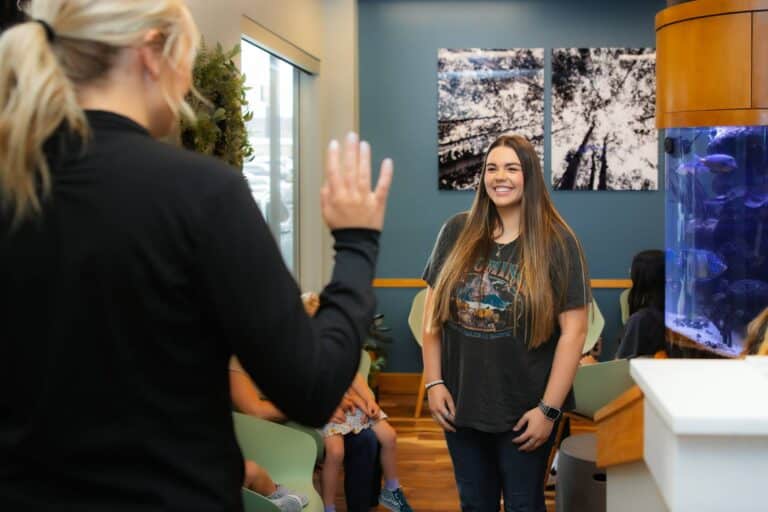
x=131, y=270
x=505, y=323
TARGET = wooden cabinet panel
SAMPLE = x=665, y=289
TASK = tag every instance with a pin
x=620, y=429
x=705, y=64
x=760, y=60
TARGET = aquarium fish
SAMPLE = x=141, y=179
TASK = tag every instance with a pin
x=695, y=264
x=691, y=169
x=719, y=163
x=756, y=200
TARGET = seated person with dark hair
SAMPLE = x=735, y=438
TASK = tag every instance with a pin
x=644, y=332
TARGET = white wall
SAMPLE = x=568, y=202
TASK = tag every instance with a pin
x=327, y=30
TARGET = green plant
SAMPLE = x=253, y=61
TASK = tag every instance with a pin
x=222, y=111
x=376, y=344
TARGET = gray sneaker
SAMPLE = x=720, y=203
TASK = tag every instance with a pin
x=394, y=500
x=287, y=503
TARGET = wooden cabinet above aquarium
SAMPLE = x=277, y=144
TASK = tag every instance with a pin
x=712, y=64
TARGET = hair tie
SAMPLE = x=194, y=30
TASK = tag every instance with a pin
x=49, y=33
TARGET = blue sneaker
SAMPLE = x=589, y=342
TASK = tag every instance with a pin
x=394, y=500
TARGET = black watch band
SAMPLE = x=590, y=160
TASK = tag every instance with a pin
x=551, y=413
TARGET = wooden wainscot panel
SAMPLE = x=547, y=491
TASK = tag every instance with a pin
x=760, y=60
x=704, y=64
x=620, y=430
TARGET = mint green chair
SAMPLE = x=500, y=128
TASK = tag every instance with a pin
x=365, y=365
x=287, y=454
x=595, y=327
x=624, y=303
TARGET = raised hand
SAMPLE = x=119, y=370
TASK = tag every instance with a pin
x=347, y=200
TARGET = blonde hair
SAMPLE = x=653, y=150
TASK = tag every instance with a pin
x=544, y=250
x=39, y=78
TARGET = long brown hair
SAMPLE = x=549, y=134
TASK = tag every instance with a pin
x=756, y=341
x=543, y=244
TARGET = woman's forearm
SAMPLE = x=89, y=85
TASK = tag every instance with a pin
x=360, y=387
x=564, y=368
x=567, y=356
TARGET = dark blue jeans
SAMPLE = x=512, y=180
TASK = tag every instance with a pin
x=362, y=471
x=488, y=466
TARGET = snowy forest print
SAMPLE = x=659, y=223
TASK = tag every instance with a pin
x=603, y=108
x=483, y=94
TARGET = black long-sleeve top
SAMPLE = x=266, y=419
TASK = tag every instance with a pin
x=119, y=309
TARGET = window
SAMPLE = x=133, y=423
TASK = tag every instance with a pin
x=273, y=133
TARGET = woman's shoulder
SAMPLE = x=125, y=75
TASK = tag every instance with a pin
x=451, y=228
x=187, y=174
x=456, y=222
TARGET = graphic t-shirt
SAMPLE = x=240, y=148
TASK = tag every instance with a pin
x=492, y=374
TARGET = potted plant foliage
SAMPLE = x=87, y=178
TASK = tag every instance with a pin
x=220, y=107
x=376, y=345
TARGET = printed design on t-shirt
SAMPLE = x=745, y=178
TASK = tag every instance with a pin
x=484, y=299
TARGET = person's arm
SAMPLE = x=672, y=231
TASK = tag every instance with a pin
x=360, y=387
x=573, y=331
x=246, y=398
x=304, y=366
x=440, y=400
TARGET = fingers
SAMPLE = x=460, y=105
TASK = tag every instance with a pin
x=531, y=444
x=443, y=422
x=364, y=173
x=333, y=181
x=385, y=180
x=449, y=405
x=351, y=160
x=523, y=438
x=521, y=422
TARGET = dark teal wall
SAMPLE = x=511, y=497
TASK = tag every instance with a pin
x=398, y=114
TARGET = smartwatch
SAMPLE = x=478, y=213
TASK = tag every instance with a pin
x=551, y=413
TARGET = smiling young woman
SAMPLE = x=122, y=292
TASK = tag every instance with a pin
x=505, y=321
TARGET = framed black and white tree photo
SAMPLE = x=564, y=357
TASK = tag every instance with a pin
x=482, y=94
x=603, y=110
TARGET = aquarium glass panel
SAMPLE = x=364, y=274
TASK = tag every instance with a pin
x=716, y=233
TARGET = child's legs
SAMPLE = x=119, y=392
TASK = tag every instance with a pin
x=334, y=458
x=258, y=480
x=387, y=437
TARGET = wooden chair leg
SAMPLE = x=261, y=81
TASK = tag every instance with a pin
x=420, y=398
x=555, y=446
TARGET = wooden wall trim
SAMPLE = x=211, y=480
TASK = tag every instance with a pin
x=401, y=282
x=735, y=117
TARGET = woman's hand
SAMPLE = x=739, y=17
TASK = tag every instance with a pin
x=537, y=431
x=339, y=416
x=372, y=409
x=347, y=404
x=441, y=406
x=347, y=200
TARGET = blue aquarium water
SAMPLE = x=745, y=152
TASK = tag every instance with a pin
x=716, y=233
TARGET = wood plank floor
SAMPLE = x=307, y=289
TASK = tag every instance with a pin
x=425, y=469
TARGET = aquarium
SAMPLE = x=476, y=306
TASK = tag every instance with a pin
x=716, y=233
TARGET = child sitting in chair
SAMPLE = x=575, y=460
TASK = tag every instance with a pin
x=365, y=414
x=358, y=412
